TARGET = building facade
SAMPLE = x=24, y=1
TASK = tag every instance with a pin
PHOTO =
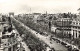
x=69, y=27
x=64, y=25
x=75, y=28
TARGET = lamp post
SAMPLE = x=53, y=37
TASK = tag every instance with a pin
x=0, y=38
x=0, y=41
x=62, y=28
x=20, y=46
x=50, y=23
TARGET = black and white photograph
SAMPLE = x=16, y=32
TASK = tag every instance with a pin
x=39, y=25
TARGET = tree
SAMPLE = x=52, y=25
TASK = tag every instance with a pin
x=64, y=15
x=75, y=16
x=55, y=18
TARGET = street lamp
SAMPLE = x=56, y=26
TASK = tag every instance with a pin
x=0, y=41
x=62, y=28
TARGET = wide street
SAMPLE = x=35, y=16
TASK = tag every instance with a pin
x=46, y=39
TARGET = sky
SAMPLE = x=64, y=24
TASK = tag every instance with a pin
x=41, y=6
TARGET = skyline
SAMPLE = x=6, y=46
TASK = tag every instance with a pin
x=41, y=6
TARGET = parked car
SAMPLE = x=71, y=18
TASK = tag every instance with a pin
x=58, y=41
x=53, y=38
x=63, y=43
x=45, y=33
x=68, y=45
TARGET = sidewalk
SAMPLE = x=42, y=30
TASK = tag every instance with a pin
x=69, y=42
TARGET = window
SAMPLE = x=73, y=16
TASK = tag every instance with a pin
x=78, y=27
x=73, y=22
x=75, y=27
x=77, y=23
x=4, y=44
x=0, y=42
x=76, y=34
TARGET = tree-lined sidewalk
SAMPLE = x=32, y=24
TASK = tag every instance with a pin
x=20, y=40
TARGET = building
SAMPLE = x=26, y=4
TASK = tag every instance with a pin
x=11, y=14
x=36, y=16
x=8, y=40
x=75, y=28
x=64, y=25
x=69, y=27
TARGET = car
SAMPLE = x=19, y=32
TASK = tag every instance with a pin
x=58, y=41
x=36, y=33
x=63, y=43
x=45, y=33
x=52, y=49
x=75, y=49
x=53, y=38
x=68, y=45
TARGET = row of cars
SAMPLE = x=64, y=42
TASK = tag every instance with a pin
x=47, y=47
x=70, y=47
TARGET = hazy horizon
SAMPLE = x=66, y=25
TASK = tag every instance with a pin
x=41, y=6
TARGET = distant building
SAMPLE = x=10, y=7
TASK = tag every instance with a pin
x=11, y=14
x=36, y=16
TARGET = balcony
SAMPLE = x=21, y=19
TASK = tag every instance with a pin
x=64, y=28
x=75, y=25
